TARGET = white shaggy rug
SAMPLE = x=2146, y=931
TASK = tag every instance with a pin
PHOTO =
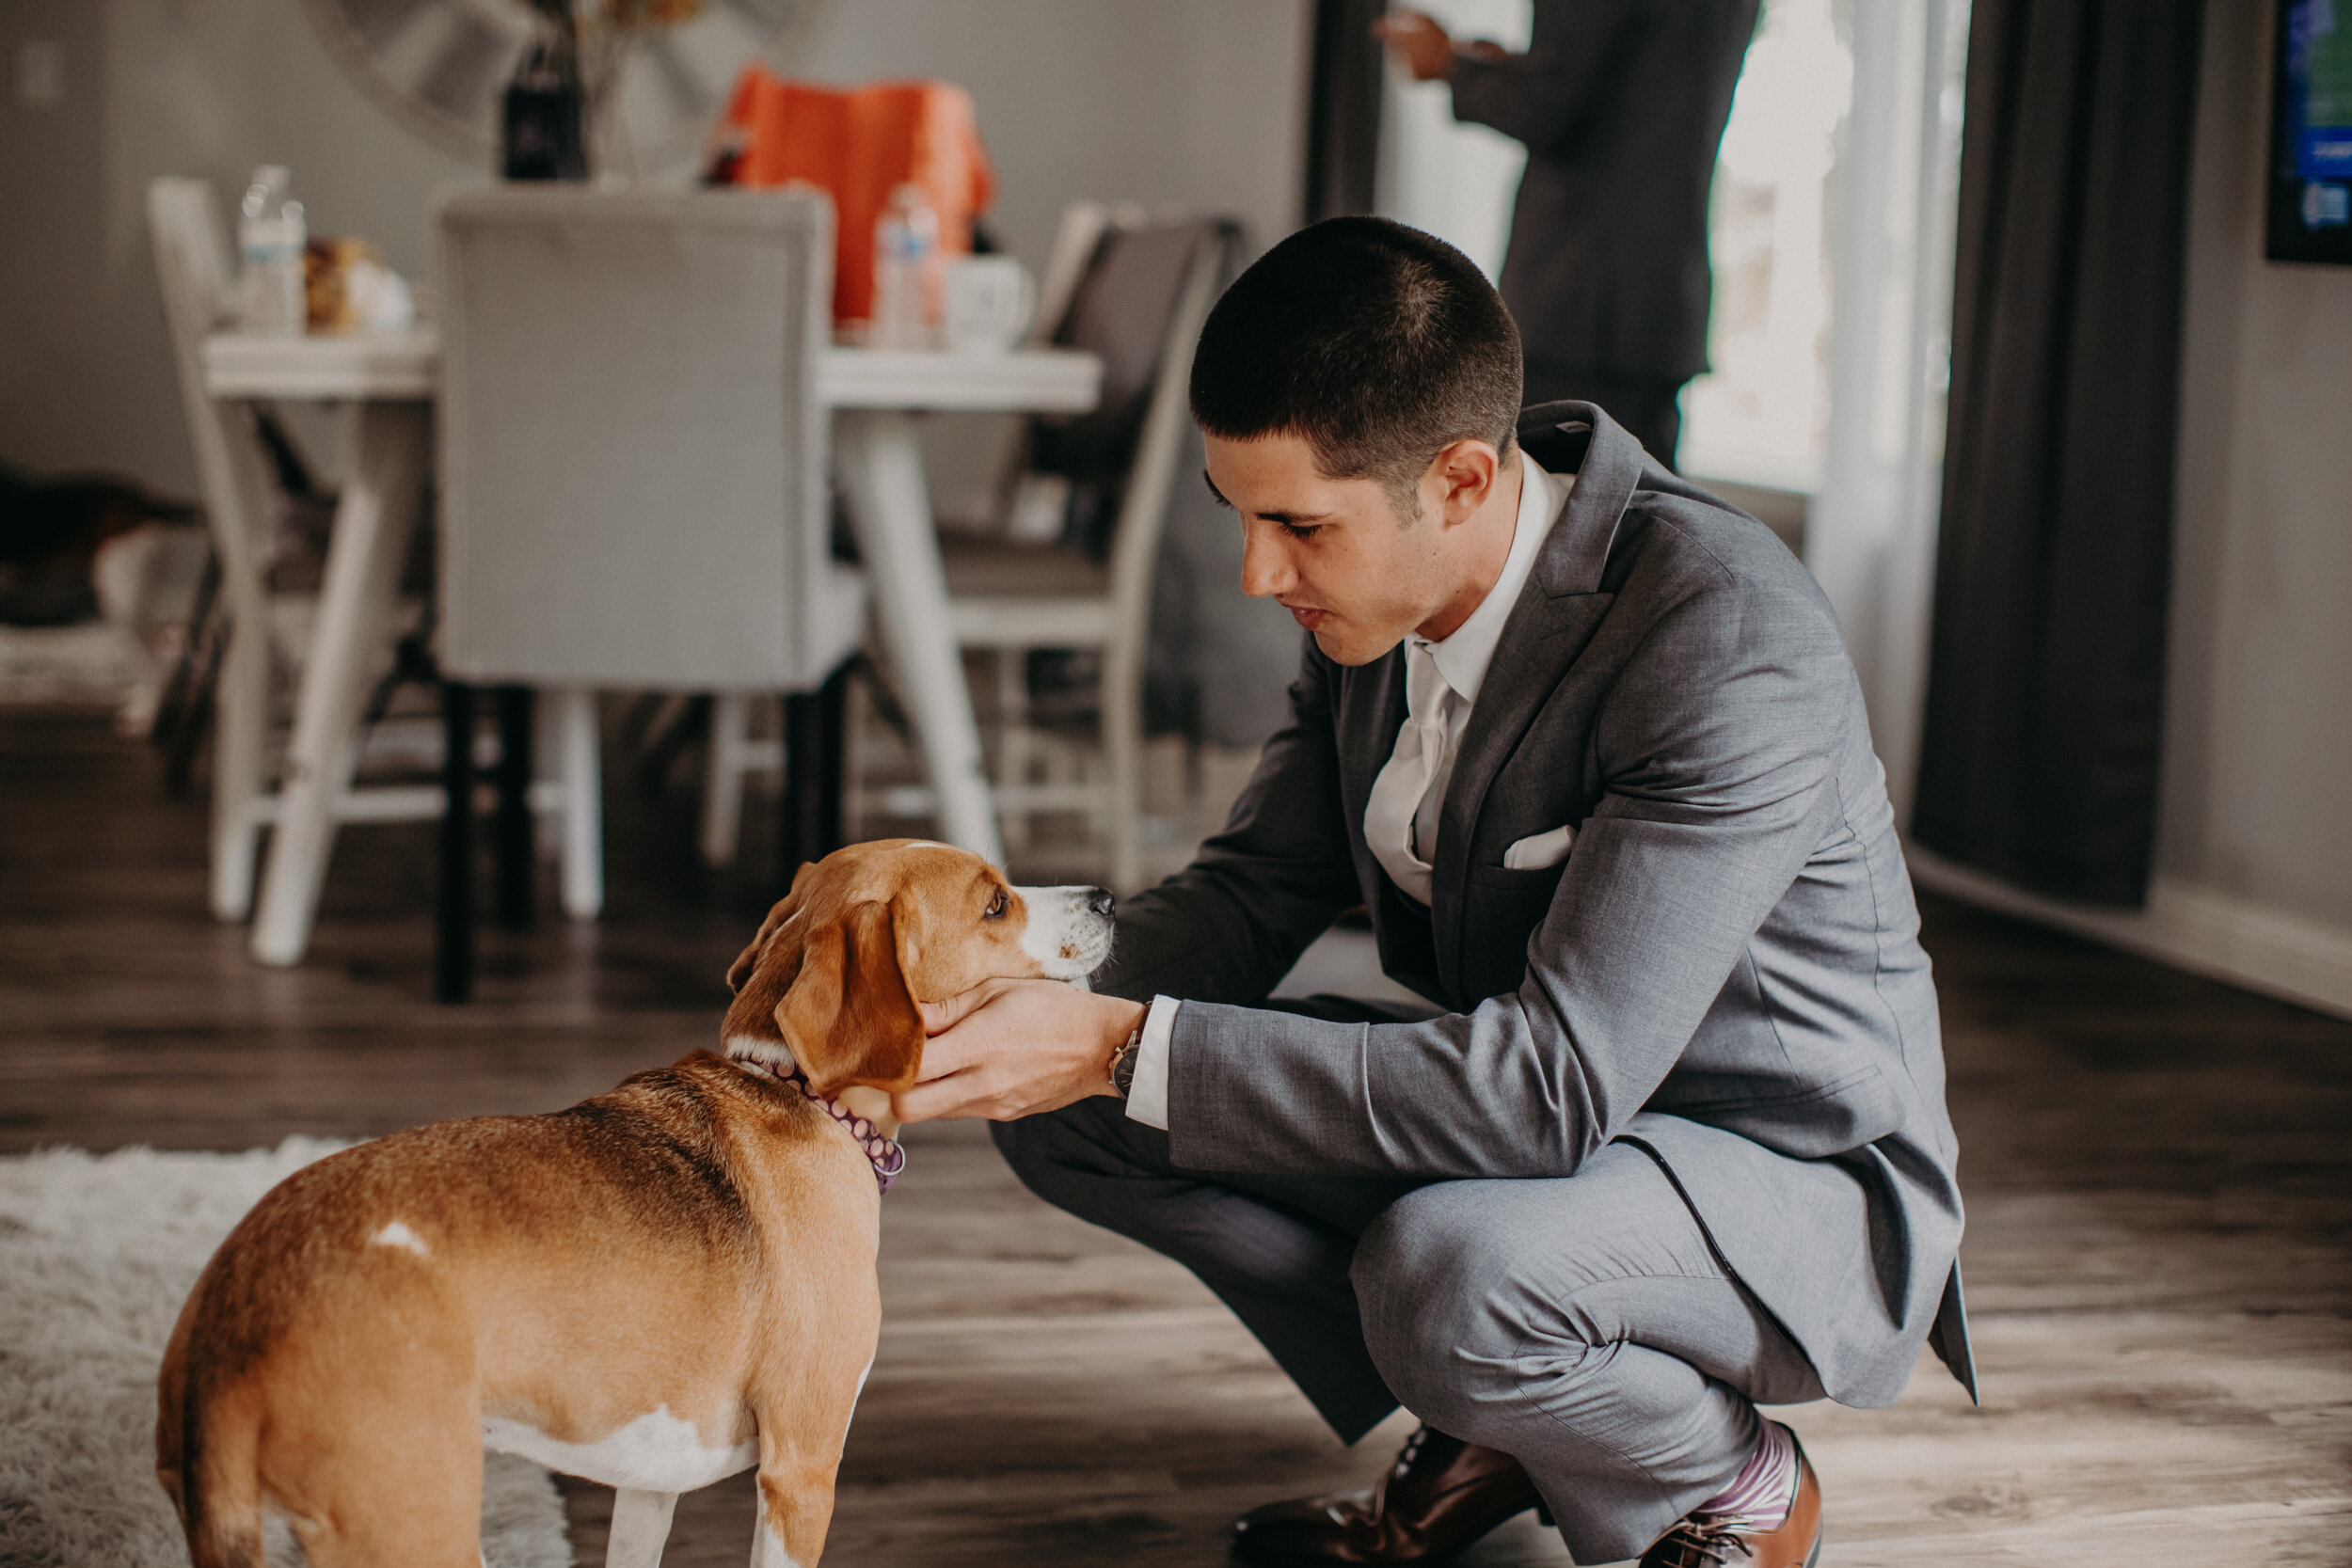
x=96, y=1254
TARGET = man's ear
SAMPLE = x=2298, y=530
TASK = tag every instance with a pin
x=1466, y=472
x=848, y=1017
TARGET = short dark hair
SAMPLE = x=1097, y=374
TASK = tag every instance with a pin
x=1376, y=344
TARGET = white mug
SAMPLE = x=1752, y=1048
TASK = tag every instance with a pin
x=989, y=301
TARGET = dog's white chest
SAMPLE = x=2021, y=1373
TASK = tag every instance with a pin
x=655, y=1452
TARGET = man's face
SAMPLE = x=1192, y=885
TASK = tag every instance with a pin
x=1331, y=551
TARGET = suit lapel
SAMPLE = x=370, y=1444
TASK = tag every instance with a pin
x=1555, y=616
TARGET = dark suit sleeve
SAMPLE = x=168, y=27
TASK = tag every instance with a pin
x=1717, y=745
x=1229, y=926
x=1537, y=97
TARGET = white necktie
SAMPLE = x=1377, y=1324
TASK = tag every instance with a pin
x=1404, y=786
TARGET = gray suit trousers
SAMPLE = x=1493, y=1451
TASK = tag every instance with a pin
x=1582, y=1325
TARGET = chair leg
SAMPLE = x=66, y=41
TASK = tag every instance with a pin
x=581, y=769
x=511, y=830
x=723, y=778
x=1013, y=751
x=1122, y=746
x=676, y=726
x=244, y=707
x=813, y=755
x=547, y=755
x=857, y=712
x=175, y=705
x=641, y=719
x=374, y=522
x=452, y=929
x=833, y=727
x=203, y=699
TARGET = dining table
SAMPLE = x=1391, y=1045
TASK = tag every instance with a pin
x=390, y=381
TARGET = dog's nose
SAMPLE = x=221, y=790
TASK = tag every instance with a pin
x=1099, y=901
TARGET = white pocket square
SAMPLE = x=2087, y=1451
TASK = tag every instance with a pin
x=1540, y=850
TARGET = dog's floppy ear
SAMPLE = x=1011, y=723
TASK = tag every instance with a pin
x=745, y=961
x=848, y=1017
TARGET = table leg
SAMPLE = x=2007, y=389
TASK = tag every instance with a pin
x=232, y=487
x=373, y=523
x=814, y=752
x=511, y=827
x=882, y=467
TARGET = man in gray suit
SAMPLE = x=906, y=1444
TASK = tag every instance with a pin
x=1621, y=104
x=1586, y=744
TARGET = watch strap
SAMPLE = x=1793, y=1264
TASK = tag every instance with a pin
x=1123, y=1062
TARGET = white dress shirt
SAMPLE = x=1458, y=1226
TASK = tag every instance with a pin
x=1442, y=682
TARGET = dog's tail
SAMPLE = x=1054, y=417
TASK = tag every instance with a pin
x=208, y=1457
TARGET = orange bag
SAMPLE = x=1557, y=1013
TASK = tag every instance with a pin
x=857, y=144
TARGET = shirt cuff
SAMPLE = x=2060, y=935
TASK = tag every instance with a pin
x=1147, y=1095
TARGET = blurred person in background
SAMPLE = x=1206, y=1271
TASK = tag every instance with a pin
x=1621, y=104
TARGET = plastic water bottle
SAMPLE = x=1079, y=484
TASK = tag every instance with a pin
x=271, y=235
x=906, y=272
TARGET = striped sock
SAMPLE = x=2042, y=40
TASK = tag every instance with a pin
x=1757, y=1501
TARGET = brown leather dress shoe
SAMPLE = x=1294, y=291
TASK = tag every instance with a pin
x=1440, y=1496
x=1696, y=1544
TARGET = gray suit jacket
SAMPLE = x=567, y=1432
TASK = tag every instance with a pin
x=1621, y=104
x=1726, y=970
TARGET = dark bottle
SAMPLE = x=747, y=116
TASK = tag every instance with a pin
x=543, y=131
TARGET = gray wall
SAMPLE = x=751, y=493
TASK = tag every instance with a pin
x=209, y=87
x=2258, y=745
x=1198, y=102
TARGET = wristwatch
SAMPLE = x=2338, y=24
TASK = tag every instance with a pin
x=1123, y=1062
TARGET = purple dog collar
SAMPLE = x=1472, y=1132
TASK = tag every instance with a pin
x=886, y=1156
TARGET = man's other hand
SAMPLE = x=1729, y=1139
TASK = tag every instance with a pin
x=1008, y=1049
x=1417, y=43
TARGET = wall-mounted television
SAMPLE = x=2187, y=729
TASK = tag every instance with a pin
x=2311, y=133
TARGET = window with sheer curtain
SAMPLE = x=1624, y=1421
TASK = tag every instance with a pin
x=1831, y=237
x=1761, y=417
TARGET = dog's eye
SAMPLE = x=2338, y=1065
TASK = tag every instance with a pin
x=997, y=906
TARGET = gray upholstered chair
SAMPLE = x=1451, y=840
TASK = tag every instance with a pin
x=633, y=448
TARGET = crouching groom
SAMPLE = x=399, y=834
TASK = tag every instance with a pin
x=1586, y=743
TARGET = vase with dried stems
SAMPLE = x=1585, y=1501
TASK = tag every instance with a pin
x=611, y=32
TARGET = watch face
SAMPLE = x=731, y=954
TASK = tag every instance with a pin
x=442, y=66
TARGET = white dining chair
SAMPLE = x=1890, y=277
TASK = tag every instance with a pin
x=633, y=448
x=192, y=264
x=1134, y=290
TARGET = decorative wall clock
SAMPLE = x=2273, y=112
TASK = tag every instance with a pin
x=660, y=70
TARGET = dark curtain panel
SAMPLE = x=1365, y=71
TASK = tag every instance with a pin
x=2046, y=684
x=1343, y=110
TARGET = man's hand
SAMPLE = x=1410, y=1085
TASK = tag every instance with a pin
x=1008, y=1049
x=1417, y=43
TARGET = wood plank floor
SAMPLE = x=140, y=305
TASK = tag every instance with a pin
x=2158, y=1173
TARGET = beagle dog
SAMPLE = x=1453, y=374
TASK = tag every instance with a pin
x=655, y=1290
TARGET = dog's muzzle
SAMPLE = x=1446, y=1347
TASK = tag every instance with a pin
x=1070, y=930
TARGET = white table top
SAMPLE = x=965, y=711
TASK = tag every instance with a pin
x=386, y=366
x=404, y=366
